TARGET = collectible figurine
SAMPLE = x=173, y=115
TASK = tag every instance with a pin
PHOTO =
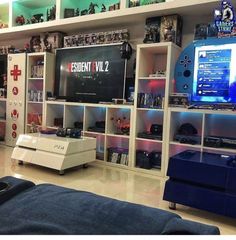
x=84, y=12
x=77, y=12
x=20, y=20
x=51, y=13
x=103, y=8
x=33, y=19
x=37, y=18
x=35, y=44
x=27, y=48
x=47, y=45
x=3, y=25
x=134, y=3
x=91, y=9
x=169, y=32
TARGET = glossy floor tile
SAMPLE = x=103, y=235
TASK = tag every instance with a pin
x=112, y=182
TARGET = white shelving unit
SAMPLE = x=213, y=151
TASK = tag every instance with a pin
x=124, y=15
x=40, y=80
x=207, y=123
x=88, y=115
x=150, y=59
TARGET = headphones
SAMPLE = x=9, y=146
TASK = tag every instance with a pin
x=126, y=50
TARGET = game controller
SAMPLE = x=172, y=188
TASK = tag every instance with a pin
x=69, y=132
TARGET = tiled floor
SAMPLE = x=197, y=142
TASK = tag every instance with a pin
x=113, y=182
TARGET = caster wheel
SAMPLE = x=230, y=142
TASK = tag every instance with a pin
x=85, y=165
x=61, y=172
x=172, y=206
x=20, y=162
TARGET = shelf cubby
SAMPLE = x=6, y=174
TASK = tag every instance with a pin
x=118, y=118
x=2, y=131
x=2, y=120
x=139, y=3
x=120, y=146
x=4, y=15
x=54, y=111
x=30, y=8
x=34, y=114
x=151, y=93
x=220, y=125
x=145, y=119
x=3, y=109
x=177, y=119
x=73, y=115
x=93, y=115
x=40, y=80
x=153, y=60
x=100, y=144
x=147, y=146
x=75, y=8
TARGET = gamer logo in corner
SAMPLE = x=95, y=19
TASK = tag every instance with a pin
x=225, y=19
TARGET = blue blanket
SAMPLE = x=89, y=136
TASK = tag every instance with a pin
x=50, y=209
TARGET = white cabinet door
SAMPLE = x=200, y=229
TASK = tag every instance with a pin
x=15, y=97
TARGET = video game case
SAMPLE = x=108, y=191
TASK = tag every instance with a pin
x=171, y=29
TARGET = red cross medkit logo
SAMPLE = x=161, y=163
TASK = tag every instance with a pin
x=15, y=72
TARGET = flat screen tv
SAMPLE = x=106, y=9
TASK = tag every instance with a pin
x=90, y=74
x=215, y=73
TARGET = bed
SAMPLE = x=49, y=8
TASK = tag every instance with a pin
x=27, y=208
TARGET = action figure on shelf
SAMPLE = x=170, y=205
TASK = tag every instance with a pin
x=122, y=125
x=20, y=20
x=77, y=12
x=51, y=13
x=84, y=12
x=27, y=48
x=103, y=8
x=47, y=45
x=35, y=44
x=91, y=9
x=33, y=128
x=168, y=31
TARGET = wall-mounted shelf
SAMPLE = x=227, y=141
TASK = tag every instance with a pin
x=123, y=16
